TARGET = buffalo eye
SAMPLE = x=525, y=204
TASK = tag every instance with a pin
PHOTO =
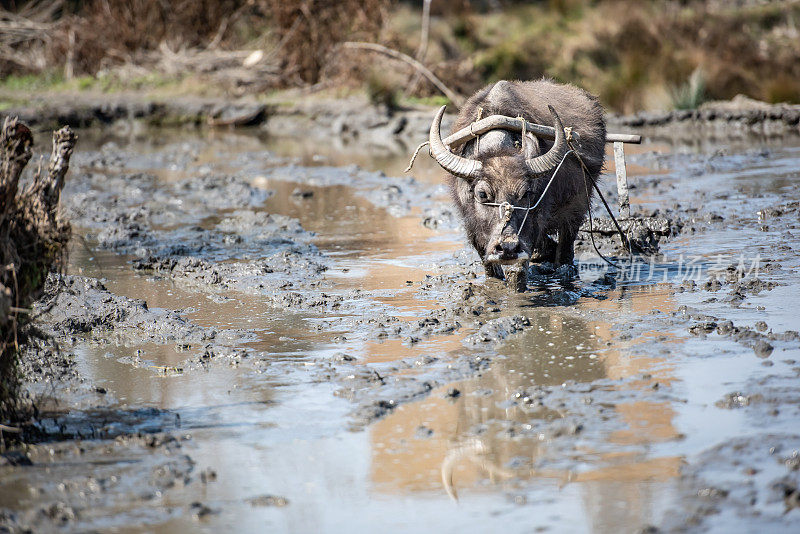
x=483, y=193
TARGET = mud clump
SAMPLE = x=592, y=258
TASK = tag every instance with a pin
x=74, y=306
x=753, y=484
x=498, y=329
x=738, y=117
x=642, y=234
x=208, y=234
x=281, y=278
x=200, y=511
x=268, y=500
x=755, y=338
x=440, y=216
x=132, y=213
x=738, y=400
x=762, y=348
x=706, y=327
x=84, y=491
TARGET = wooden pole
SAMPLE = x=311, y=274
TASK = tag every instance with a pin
x=622, y=180
x=510, y=123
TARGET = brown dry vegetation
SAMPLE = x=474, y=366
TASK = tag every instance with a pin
x=104, y=32
x=307, y=32
x=636, y=54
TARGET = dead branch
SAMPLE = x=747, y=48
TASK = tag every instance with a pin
x=49, y=189
x=422, y=51
x=309, y=30
x=32, y=238
x=229, y=68
x=15, y=142
x=209, y=60
x=454, y=97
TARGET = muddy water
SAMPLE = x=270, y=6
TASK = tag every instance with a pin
x=602, y=412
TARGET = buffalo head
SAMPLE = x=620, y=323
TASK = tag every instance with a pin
x=501, y=193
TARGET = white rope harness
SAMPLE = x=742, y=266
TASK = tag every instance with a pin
x=506, y=208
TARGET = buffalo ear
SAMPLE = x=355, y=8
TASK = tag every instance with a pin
x=532, y=146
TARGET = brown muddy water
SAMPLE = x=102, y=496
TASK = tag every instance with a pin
x=320, y=352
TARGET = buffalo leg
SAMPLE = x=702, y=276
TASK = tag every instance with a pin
x=517, y=277
x=493, y=270
x=565, y=251
x=545, y=250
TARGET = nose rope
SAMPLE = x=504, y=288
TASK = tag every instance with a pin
x=524, y=131
x=527, y=212
x=506, y=208
x=477, y=136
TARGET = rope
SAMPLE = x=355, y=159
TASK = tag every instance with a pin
x=591, y=224
x=478, y=136
x=625, y=242
x=527, y=212
x=624, y=238
x=414, y=157
x=506, y=205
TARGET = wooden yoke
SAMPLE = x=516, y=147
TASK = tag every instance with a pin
x=548, y=132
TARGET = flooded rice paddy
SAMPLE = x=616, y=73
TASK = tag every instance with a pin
x=279, y=334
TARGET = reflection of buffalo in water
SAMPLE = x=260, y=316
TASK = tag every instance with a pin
x=554, y=350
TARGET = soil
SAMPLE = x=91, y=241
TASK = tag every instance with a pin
x=272, y=326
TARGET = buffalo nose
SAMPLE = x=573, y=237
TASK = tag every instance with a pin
x=508, y=246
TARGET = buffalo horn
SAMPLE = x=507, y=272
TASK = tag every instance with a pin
x=546, y=162
x=462, y=167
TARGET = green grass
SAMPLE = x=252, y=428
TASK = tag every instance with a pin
x=106, y=83
x=690, y=94
x=31, y=82
x=433, y=101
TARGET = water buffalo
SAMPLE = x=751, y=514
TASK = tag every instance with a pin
x=496, y=177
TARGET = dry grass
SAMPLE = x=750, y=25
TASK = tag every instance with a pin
x=635, y=54
x=308, y=30
x=105, y=33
